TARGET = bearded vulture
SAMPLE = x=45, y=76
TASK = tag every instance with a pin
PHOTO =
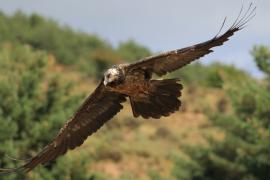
x=149, y=98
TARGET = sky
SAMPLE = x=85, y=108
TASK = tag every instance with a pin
x=160, y=25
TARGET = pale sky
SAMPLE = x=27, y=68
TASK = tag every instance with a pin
x=159, y=24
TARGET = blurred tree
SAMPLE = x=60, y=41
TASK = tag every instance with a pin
x=261, y=55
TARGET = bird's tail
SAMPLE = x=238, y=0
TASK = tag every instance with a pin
x=163, y=99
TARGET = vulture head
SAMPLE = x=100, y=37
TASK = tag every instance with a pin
x=113, y=76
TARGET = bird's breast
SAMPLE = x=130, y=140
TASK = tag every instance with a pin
x=133, y=89
x=134, y=86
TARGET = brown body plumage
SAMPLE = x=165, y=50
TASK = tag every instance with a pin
x=148, y=97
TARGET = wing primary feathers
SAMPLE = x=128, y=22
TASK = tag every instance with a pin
x=6, y=171
x=223, y=24
x=249, y=14
x=239, y=15
x=240, y=23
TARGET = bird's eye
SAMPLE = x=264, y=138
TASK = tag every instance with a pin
x=108, y=75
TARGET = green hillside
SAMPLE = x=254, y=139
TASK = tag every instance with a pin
x=46, y=70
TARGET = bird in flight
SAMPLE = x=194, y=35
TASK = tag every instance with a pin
x=149, y=98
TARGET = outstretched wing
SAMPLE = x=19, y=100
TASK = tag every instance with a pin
x=98, y=108
x=172, y=60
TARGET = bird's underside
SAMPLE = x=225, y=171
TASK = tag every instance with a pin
x=148, y=97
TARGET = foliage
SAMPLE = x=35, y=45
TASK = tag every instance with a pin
x=261, y=56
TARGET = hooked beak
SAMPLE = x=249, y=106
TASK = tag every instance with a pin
x=105, y=82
